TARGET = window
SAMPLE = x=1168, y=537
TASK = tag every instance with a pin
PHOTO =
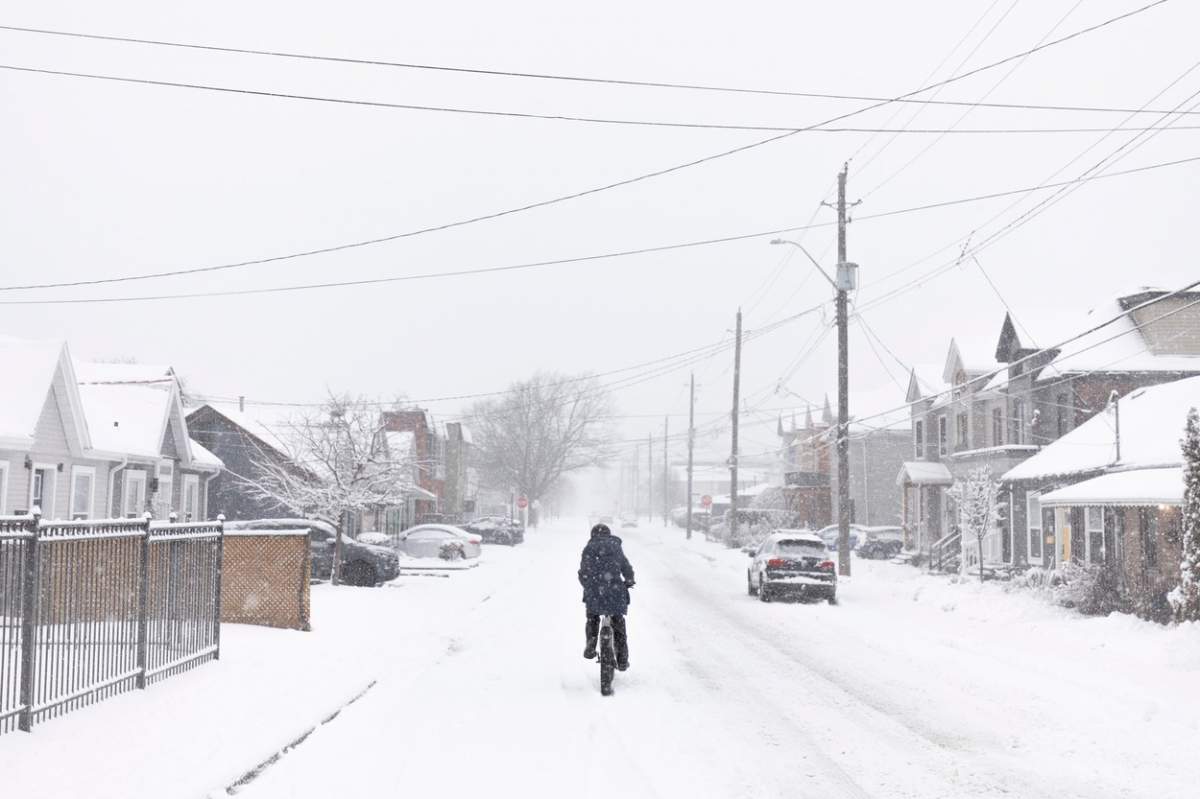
x=919, y=439
x=1063, y=406
x=1095, y=535
x=83, y=487
x=1148, y=525
x=997, y=427
x=134, y=502
x=942, y=448
x=1034, y=521
x=1048, y=530
x=962, y=431
x=164, y=500
x=191, y=498
x=1017, y=435
x=41, y=489
x=3, y=486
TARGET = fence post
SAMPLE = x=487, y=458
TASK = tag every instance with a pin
x=220, y=565
x=29, y=611
x=143, y=626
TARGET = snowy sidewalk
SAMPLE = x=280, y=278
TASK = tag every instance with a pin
x=202, y=730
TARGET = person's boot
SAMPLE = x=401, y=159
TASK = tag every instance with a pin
x=589, y=651
x=623, y=660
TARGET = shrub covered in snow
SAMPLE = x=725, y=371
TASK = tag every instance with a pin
x=1089, y=588
x=452, y=550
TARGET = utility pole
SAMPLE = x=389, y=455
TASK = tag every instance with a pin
x=637, y=483
x=691, y=439
x=733, y=455
x=649, y=476
x=843, y=436
x=666, y=472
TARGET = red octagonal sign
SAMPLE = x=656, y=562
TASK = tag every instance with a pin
x=522, y=503
x=705, y=501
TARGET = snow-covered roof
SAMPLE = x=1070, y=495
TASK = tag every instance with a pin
x=1134, y=487
x=1152, y=422
x=204, y=458
x=924, y=473
x=1118, y=347
x=30, y=367
x=267, y=423
x=400, y=445
x=127, y=418
x=88, y=372
x=755, y=490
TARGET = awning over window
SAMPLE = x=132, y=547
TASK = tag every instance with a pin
x=1135, y=487
x=930, y=473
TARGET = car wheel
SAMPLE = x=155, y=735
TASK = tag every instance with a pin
x=750, y=589
x=764, y=595
x=833, y=599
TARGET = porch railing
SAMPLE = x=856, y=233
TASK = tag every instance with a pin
x=946, y=553
x=89, y=609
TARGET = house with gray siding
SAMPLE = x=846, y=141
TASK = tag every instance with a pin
x=63, y=449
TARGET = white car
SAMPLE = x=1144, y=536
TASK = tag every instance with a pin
x=791, y=562
x=427, y=540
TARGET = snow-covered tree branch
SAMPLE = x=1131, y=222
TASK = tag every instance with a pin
x=977, y=500
x=541, y=429
x=337, y=462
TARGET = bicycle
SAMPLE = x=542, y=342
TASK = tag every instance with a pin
x=607, y=651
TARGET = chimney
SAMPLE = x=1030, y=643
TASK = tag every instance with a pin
x=241, y=403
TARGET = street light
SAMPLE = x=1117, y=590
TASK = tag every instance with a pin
x=847, y=280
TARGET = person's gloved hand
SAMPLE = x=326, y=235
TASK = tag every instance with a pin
x=629, y=584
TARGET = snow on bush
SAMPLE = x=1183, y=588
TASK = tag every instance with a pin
x=1089, y=588
x=451, y=550
x=1185, y=598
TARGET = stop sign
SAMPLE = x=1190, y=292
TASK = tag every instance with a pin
x=705, y=501
x=522, y=503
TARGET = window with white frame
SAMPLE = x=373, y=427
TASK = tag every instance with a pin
x=919, y=439
x=164, y=492
x=1034, y=525
x=191, y=498
x=41, y=489
x=133, y=503
x=943, y=444
x=3, y=486
x=83, y=489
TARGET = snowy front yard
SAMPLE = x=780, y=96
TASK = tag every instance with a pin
x=913, y=686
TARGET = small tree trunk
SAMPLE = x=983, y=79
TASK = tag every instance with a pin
x=980, y=540
x=336, y=573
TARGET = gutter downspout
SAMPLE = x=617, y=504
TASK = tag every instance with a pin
x=112, y=482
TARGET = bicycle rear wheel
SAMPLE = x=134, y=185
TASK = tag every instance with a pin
x=608, y=661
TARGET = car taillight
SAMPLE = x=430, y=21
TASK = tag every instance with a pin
x=776, y=563
x=826, y=566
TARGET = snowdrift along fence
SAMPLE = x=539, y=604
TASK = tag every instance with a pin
x=89, y=609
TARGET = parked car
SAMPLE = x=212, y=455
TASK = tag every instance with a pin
x=881, y=542
x=830, y=536
x=791, y=562
x=629, y=521
x=427, y=541
x=496, y=530
x=362, y=564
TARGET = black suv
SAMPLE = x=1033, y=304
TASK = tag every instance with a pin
x=362, y=564
x=496, y=530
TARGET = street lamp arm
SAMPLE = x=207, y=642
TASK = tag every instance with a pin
x=800, y=247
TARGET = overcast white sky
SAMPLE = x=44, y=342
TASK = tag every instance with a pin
x=104, y=179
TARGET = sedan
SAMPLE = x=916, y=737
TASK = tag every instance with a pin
x=363, y=563
x=496, y=530
x=428, y=540
x=791, y=562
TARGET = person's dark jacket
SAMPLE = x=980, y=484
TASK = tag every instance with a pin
x=604, y=573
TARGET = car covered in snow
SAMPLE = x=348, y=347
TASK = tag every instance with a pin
x=496, y=530
x=829, y=535
x=363, y=564
x=881, y=543
x=438, y=541
x=791, y=562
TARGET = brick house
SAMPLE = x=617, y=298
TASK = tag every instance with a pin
x=428, y=449
x=999, y=411
x=1109, y=493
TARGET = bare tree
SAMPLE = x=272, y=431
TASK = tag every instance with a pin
x=338, y=463
x=977, y=499
x=541, y=429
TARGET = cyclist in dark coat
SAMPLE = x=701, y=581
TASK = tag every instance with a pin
x=606, y=577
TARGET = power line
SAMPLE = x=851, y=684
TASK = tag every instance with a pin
x=572, y=78
x=486, y=112
x=512, y=267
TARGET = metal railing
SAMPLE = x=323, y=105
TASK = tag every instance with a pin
x=946, y=552
x=89, y=609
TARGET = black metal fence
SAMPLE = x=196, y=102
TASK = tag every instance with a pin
x=89, y=609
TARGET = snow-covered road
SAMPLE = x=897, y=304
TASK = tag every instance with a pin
x=911, y=687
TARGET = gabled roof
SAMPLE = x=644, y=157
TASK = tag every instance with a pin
x=1151, y=420
x=133, y=419
x=923, y=383
x=32, y=367
x=86, y=372
x=266, y=425
x=924, y=473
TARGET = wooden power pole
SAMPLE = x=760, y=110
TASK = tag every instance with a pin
x=843, y=432
x=733, y=454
